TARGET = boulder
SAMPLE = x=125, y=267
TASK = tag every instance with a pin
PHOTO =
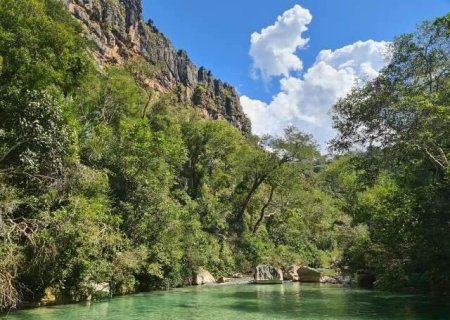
x=237, y=275
x=99, y=291
x=307, y=274
x=51, y=297
x=223, y=280
x=268, y=274
x=327, y=279
x=87, y=291
x=203, y=276
x=345, y=280
x=291, y=273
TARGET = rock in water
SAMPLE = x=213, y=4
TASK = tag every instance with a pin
x=291, y=273
x=307, y=274
x=101, y=290
x=203, y=276
x=326, y=279
x=51, y=297
x=223, y=280
x=268, y=274
x=88, y=291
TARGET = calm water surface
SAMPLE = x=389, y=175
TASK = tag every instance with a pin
x=287, y=301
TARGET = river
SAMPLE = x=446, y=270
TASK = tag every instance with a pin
x=286, y=301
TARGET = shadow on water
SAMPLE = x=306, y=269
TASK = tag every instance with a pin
x=296, y=301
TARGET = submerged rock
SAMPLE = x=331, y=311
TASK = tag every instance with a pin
x=203, y=276
x=307, y=274
x=268, y=274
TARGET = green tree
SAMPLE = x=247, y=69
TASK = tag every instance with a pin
x=33, y=137
x=402, y=121
x=40, y=46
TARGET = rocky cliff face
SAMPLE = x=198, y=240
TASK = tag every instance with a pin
x=119, y=32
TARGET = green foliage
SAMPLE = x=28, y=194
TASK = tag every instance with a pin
x=199, y=94
x=40, y=46
x=33, y=136
x=399, y=186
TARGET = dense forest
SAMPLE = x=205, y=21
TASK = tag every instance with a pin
x=102, y=180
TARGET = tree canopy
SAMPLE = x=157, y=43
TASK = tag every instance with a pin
x=401, y=178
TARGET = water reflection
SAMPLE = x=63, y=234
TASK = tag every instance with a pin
x=286, y=301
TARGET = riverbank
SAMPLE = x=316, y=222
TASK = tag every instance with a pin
x=251, y=302
x=104, y=291
x=50, y=299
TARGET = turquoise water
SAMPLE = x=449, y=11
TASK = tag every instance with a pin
x=287, y=301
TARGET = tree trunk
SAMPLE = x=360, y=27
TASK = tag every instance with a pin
x=263, y=210
x=149, y=99
x=254, y=188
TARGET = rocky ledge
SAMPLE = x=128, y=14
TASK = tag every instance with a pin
x=119, y=32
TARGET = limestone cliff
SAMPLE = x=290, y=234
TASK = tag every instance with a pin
x=119, y=32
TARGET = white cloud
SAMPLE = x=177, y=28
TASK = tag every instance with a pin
x=365, y=58
x=305, y=102
x=273, y=48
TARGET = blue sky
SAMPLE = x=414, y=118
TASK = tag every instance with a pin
x=216, y=34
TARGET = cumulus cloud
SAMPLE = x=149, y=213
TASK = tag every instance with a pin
x=364, y=58
x=274, y=48
x=305, y=102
